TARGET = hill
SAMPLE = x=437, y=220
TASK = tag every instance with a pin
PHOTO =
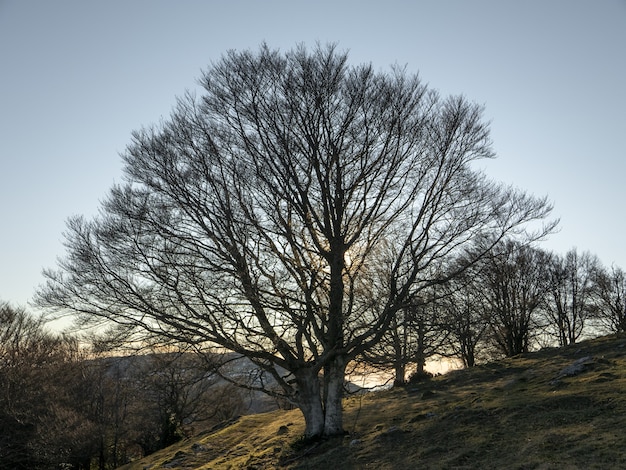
x=553, y=409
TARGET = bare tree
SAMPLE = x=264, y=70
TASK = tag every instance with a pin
x=571, y=298
x=38, y=428
x=610, y=291
x=415, y=334
x=515, y=283
x=19, y=333
x=465, y=311
x=179, y=394
x=250, y=217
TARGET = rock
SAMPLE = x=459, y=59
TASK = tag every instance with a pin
x=198, y=448
x=282, y=430
x=575, y=368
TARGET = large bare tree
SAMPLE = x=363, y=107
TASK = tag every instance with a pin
x=250, y=219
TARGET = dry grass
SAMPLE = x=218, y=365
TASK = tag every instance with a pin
x=520, y=413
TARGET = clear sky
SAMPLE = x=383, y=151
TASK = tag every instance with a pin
x=78, y=76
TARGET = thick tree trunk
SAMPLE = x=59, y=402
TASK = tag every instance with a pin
x=310, y=402
x=322, y=417
x=333, y=411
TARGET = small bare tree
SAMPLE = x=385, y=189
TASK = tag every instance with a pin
x=610, y=295
x=571, y=300
x=251, y=216
x=415, y=334
x=515, y=282
x=466, y=316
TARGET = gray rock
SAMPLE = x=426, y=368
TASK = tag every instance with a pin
x=576, y=367
x=198, y=448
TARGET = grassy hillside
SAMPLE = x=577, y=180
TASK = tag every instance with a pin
x=553, y=409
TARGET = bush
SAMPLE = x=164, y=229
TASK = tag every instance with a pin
x=418, y=376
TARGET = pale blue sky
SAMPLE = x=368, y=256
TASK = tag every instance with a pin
x=78, y=76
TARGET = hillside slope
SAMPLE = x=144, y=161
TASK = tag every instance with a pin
x=553, y=409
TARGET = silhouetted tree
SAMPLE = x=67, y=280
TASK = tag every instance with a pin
x=465, y=312
x=515, y=282
x=37, y=428
x=15, y=431
x=610, y=290
x=571, y=299
x=415, y=334
x=178, y=393
x=250, y=216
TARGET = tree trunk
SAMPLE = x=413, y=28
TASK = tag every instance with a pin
x=333, y=412
x=399, y=336
x=470, y=360
x=420, y=365
x=310, y=403
x=400, y=372
x=322, y=417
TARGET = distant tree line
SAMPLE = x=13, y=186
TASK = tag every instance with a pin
x=517, y=299
x=63, y=405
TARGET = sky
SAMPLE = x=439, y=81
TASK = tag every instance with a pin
x=77, y=77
